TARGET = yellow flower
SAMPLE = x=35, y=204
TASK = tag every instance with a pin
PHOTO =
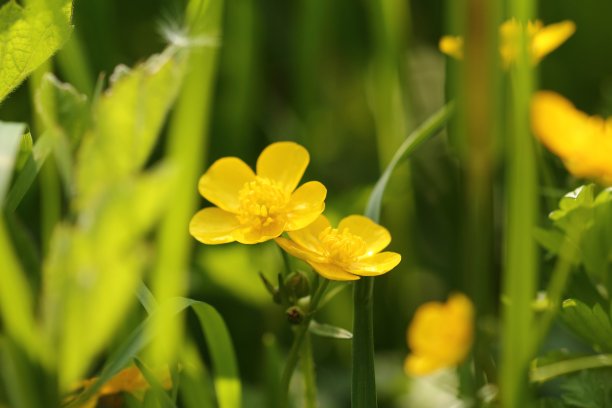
x=583, y=142
x=543, y=40
x=440, y=335
x=253, y=208
x=344, y=253
x=129, y=379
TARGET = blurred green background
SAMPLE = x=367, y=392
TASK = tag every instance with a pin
x=348, y=80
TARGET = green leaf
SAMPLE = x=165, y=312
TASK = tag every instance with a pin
x=10, y=137
x=589, y=389
x=128, y=118
x=29, y=36
x=591, y=324
x=65, y=115
x=327, y=330
x=85, y=266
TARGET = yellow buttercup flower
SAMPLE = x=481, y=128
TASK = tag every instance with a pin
x=129, y=379
x=583, y=142
x=252, y=208
x=542, y=40
x=344, y=253
x=440, y=335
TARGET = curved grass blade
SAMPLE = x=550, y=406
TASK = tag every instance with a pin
x=218, y=340
x=363, y=388
x=157, y=389
x=414, y=140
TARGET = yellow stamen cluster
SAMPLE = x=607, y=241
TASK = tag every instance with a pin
x=342, y=247
x=262, y=202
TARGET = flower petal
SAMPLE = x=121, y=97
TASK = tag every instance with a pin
x=332, y=271
x=298, y=251
x=283, y=162
x=255, y=234
x=213, y=225
x=375, y=265
x=375, y=236
x=452, y=46
x=416, y=365
x=223, y=181
x=306, y=204
x=548, y=38
x=308, y=237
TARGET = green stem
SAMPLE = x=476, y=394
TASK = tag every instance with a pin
x=298, y=340
x=557, y=285
x=363, y=390
x=521, y=268
x=550, y=371
x=308, y=371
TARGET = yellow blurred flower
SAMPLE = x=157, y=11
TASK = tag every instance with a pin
x=344, y=253
x=252, y=208
x=542, y=40
x=440, y=335
x=583, y=142
x=129, y=380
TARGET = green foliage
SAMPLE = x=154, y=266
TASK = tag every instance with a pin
x=589, y=389
x=591, y=324
x=584, y=219
x=29, y=36
x=127, y=120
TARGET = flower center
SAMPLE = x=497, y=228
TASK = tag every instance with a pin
x=262, y=202
x=342, y=247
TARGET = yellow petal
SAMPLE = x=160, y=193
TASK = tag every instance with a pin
x=308, y=237
x=298, y=251
x=223, y=181
x=283, y=162
x=306, y=204
x=376, y=264
x=213, y=225
x=419, y=365
x=550, y=37
x=452, y=46
x=560, y=126
x=332, y=271
x=375, y=236
x=255, y=234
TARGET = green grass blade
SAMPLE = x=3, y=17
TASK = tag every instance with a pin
x=157, y=389
x=187, y=141
x=218, y=340
x=25, y=178
x=10, y=137
x=436, y=122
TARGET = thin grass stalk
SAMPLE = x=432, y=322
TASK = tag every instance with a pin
x=520, y=271
x=187, y=140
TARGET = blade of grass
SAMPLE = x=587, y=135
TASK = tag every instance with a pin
x=10, y=137
x=25, y=178
x=363, y=390
x=157, y=389
x=225, y=370
x=550, y=371
x=187, y=140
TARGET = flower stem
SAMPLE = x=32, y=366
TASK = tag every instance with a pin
x=298, y=340
x=308, y=371
x=363, y=390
